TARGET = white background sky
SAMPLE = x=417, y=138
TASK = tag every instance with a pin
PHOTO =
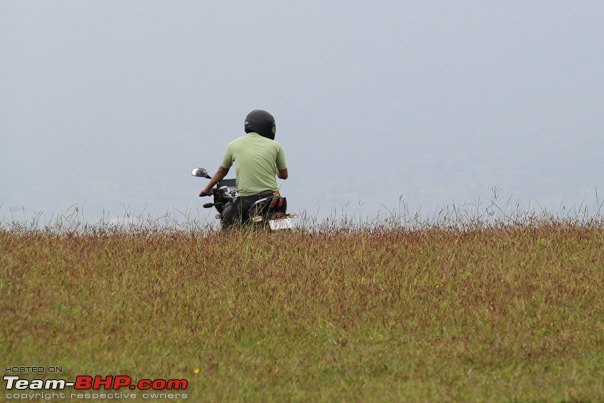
x=109, y=104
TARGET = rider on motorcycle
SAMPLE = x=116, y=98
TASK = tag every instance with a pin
x=257, y=159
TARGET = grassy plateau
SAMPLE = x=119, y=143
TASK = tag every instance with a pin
x=504, y=311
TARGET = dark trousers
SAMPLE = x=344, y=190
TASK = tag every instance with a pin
x=237, y=213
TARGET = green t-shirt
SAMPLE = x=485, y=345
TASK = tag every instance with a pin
x=257, y=160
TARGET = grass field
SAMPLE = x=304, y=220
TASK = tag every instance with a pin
x=511, y=311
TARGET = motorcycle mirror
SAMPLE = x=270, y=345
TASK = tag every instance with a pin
x=200, y=172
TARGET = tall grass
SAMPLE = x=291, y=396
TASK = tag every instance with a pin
x=459, y=307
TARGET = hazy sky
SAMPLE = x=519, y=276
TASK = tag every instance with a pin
x=108, y=105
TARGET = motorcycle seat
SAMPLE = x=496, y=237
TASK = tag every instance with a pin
x=271, y=203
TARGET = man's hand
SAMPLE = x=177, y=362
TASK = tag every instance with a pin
x=205, y=192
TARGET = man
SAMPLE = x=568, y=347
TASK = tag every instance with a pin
x=257, y=159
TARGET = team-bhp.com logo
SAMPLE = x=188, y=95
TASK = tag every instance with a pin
x=90, y=387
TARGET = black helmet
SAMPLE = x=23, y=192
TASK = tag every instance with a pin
x=261, y=122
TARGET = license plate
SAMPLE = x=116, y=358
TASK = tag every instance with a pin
x=282, y=223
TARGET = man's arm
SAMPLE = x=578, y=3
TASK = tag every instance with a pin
x=282, y=173
x=218, y=176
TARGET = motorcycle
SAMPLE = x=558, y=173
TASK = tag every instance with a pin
x=269, y=211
